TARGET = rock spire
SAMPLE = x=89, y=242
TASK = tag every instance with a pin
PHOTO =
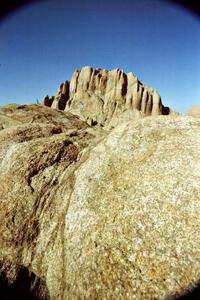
x=100, y=96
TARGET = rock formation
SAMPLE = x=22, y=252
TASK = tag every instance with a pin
x=92, y=213
x=59, y=101
x=194, y=111
x=101, y=96
x=47, y=101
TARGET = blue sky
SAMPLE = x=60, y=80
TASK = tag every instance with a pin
x=42, y=44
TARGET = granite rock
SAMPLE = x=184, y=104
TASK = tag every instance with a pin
x=90, y=213
x=194, y=111
x=99, y=96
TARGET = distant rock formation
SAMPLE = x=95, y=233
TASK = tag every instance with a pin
x=60, y=99
x=47, y=101
x=100, y=96
x=194, y=111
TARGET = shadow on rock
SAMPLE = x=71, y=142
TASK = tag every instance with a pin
x=27, y=286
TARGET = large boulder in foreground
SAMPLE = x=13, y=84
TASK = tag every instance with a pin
x=93, y=214
x=102, y=96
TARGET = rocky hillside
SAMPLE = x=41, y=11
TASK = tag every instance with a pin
x=92, y=213
x=194, y=111
x=103, y=97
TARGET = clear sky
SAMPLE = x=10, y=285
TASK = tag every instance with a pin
x=42, y=44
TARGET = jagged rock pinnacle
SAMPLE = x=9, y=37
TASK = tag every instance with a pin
x=101, y=96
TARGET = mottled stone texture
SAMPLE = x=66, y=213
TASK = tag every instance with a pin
x=194, y=111
x=87, y=213
x=102, y=96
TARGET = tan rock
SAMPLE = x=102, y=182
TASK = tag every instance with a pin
x=62, y=96
x=87, y=213
x=102, y=95
x=194, y=111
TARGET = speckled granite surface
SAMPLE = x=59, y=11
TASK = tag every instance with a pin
x=114, y=216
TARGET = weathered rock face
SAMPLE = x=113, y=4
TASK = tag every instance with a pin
x=43, y=143
x=87, y=213
x=102, y=96
x=59, y=101
x=48, y=101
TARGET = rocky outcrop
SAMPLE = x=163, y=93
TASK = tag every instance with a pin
x=60, y=99
x=194, y=111
x=47, y=101
x=101, y=96
x=87, y=213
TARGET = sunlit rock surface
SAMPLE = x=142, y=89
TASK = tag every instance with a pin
x=87, y=213
x=102, y=96
x=194, y=111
